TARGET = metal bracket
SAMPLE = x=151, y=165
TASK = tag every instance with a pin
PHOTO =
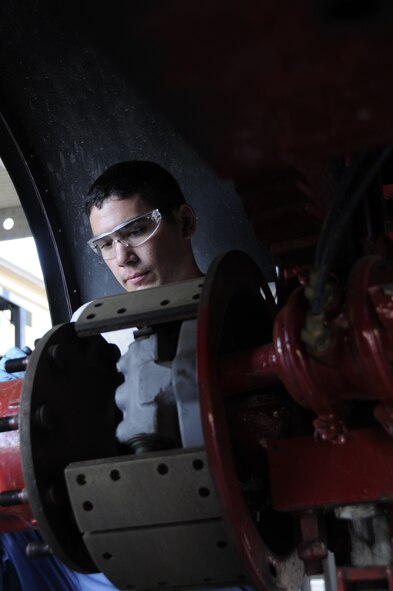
x=166, y=303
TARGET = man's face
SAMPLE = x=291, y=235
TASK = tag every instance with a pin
x=164, y=258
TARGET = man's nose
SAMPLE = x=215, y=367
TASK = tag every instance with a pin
x=124, y=253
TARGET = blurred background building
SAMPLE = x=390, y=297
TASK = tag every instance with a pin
x=24, y=312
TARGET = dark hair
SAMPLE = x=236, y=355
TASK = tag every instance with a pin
x=156, y=186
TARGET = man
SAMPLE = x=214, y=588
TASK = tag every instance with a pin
x=142, y=229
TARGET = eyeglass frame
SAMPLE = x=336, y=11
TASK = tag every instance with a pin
x=155, y=213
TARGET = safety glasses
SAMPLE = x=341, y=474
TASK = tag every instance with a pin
x=131, y=233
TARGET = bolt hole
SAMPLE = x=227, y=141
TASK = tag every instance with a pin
x=90, y=316
x=107, y=556
x=204, y=491
x=162, y=469
x=81, y=479
x=197, y=464
x=164, y=302
x=122, y=310
x=222, y=544
x=196, y=296
x=98, y=304
x=115, y=475
x=88, y=506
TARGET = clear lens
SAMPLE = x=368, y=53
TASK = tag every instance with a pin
x=131, y=233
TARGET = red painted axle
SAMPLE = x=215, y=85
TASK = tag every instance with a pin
x=248, y=370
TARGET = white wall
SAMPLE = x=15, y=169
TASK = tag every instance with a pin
x=27, y=291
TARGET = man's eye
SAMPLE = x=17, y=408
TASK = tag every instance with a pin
x=135, y=231
x=105, y=245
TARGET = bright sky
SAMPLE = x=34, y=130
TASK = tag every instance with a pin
x=23, y=254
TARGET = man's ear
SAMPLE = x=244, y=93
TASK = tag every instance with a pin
x=186, y=219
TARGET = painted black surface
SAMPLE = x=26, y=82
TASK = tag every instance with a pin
x=72, y=106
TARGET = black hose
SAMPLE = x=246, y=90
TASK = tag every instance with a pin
x=339, y=202
x=337, y=222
